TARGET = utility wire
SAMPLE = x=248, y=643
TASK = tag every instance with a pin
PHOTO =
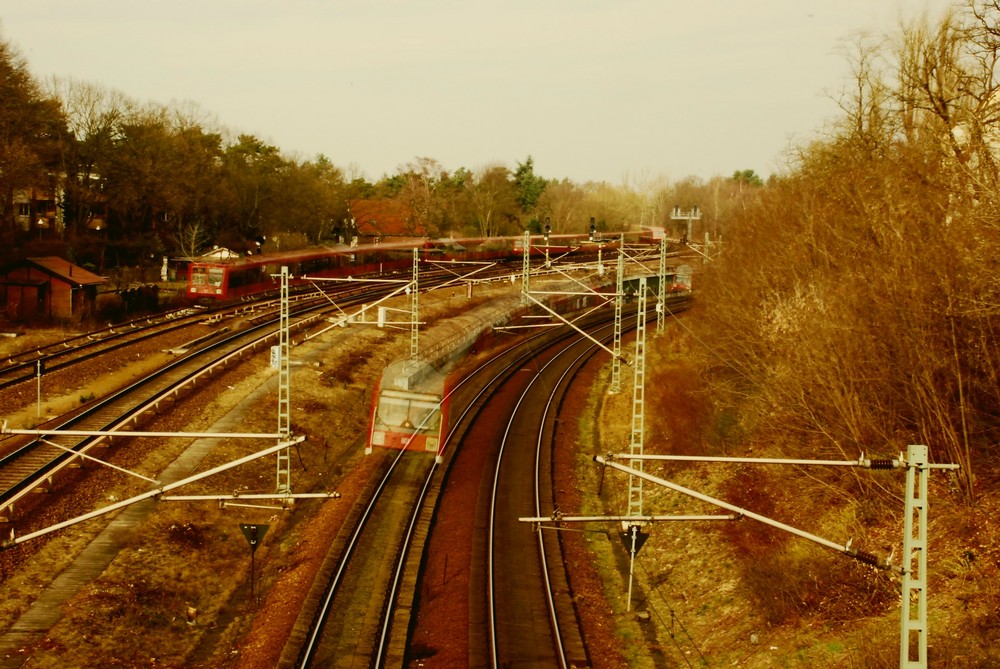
x=673, y=617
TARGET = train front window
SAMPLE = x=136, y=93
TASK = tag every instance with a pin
x=401, y=413
x=198, y=276
x=425, y=415
x=215, y=276
x=393, y=411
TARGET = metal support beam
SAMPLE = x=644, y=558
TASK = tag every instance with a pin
x=130, y=433
x=661, y=297
x=638, y=404
x=616, y=347
x=913, y=628
x=284, y=470
x=415, y=307
x=841, y=548
x=563, y=319
x=13, y=541
x=255, y=496
x=526, y=269
x=359, y=315
x=654, y=518
x=863, y=462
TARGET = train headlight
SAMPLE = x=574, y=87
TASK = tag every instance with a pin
x=431, y=444
x=378, y=438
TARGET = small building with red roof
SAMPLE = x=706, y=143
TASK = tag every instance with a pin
x=379, y=220
x=48, y=287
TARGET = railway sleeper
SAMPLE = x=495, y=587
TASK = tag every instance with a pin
x=43, y=486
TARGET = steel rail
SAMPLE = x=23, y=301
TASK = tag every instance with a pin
x=310, y=648
x=491, y=548
x=153, y=389
x=309, y=651
x=571, y=370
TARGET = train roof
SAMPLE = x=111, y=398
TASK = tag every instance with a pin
x=305, y=254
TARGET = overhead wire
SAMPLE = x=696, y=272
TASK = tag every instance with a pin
x=650, y=606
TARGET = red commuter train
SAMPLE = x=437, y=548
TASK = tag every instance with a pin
x=410, y=409
x=222, y=280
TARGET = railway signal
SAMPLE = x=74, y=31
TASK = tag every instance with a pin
x=38, y=405
x=254, y=535
x=692, y=214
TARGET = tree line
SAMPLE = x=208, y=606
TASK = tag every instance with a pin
x=856, y=306
x=172, y=180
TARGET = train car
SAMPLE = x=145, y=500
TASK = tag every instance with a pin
x=409, y=409
x=227, y=280
x=224, y=280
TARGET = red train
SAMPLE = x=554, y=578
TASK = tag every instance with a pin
x=223, y=280
x=410, y=409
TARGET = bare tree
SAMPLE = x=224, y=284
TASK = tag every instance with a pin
x=492, y=200
x=191, y=238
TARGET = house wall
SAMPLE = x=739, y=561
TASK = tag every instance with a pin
x=55, y=299
x=24, y=302
x=60, y=299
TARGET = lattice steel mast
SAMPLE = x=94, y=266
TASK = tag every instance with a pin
x=616, y=347
x=415, y=307
x=284, y=484
x=661, y=304
x=914, y=605
x=638, y=404
x=526, y=270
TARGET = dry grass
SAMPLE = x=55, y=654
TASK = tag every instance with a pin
x=718, y=594
x=744, y=594
x=193, y=555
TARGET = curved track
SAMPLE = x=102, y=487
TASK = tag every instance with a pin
x=516, y=584
x=33, y=463
x=364, y=615
x=377, y=570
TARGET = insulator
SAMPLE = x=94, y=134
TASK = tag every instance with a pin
x=882, y=463
x=868, y=558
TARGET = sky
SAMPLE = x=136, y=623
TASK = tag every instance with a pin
x=622, y=91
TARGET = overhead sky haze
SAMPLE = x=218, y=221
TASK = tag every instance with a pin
x=622, y=91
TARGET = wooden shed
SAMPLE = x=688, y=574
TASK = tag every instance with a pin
x=48, y=288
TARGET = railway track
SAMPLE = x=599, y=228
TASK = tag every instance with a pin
x=29, y=464
x=413, y=478
x=34, y=463
x=372, y=616
x=480, y=620
x=26, y=365
x=522, y=483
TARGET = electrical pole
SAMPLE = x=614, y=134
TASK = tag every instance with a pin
x=284, y=484
x=526, y=269
x=415, y=308
x=616, y=358
x=638, y=404
x=634, y=527
x=661, y=297
x=914, y=604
